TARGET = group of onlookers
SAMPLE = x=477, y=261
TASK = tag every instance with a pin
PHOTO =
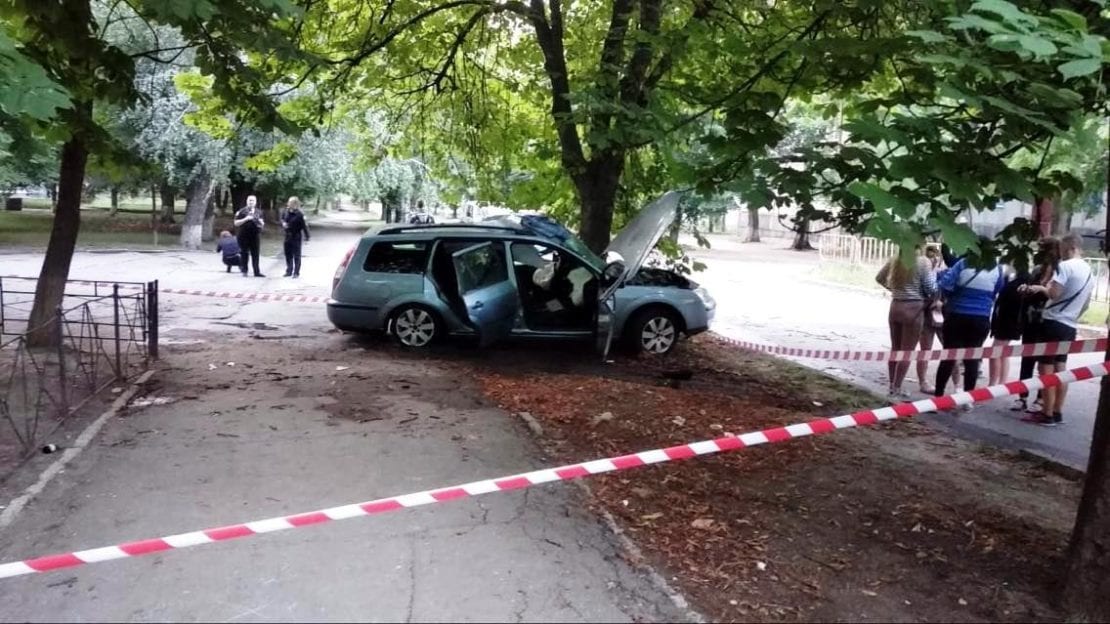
x=964, y=300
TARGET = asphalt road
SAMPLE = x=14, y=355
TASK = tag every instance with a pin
x=239, y=444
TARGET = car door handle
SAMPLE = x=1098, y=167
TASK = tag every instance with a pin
x=478, y=305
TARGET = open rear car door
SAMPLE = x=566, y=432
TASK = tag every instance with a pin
x=486, y=290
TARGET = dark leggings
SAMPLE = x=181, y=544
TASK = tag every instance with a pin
x=962, y=331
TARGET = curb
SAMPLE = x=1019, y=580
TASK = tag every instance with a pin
x=9, y=513
x=636, y=556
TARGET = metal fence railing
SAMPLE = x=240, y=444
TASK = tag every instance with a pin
x=857, y=250
x=101, y=334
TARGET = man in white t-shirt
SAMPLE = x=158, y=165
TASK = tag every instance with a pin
x=1069, y=294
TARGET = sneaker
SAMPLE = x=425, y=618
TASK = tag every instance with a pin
x=296, y=275
x=1056, y=420
x=1040, y=418
x=967, y=407
x=1020, y=405
x=258, y=275
x=288, y=275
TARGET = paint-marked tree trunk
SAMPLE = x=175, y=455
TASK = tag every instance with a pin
x=197, y=192
x=753, y=226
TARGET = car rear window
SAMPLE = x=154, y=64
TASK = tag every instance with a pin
x=397, y=258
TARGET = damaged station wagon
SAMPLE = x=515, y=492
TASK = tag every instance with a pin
x=518, y=276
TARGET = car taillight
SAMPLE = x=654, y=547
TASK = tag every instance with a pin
x=342, y=268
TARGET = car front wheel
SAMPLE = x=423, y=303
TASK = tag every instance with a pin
x=654, y=331
x=414, y=327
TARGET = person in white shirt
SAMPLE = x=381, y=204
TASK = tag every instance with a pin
x=1069, y=293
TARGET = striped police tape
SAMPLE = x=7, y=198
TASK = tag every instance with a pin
x=247, y=296
x=537, y=477
x=1092, y=345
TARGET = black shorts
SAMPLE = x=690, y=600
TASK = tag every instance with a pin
x=1055, y=331
x=1003, y=330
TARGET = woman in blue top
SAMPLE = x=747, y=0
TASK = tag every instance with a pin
x=969, y=288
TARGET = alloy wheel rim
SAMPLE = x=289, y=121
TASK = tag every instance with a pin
x=415, y=327
x=658, y=335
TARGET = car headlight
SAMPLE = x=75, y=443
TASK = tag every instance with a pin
x=705, y=297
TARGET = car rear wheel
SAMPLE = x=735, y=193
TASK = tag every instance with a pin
x=654, y=331
x=414, y=327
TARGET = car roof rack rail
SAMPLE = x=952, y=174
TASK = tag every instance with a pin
x=447, y=226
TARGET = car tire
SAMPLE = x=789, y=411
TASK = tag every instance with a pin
x=415, y=326
x=653, y=331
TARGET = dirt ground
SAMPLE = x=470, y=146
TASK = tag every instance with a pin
x=895, y=523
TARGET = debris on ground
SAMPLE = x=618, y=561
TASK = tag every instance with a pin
x=872, y=524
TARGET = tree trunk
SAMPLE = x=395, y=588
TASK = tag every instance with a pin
x=115, y=201
x=1088, y=574
x=801, y=237
x=597, y=193
x=51, y=285
x=197, y=192
x=240, y=189
x=221, y=198
x=753, y=226
x=1061, y=220
x=168, y=196
x=208, y=231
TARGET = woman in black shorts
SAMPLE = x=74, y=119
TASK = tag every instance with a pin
x=1007, y=322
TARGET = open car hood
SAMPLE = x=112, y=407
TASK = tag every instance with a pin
x=635, y=242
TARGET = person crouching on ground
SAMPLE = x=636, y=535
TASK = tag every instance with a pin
x=912, y=288
x=296, y=228
x=229, y=247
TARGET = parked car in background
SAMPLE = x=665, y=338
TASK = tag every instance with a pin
x=518, y=276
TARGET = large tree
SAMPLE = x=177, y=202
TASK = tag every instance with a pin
x=585, y=86
x=933, y=136
x=67, y=45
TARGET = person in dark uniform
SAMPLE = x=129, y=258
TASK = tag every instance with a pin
x=249, y=234
x=296, y=233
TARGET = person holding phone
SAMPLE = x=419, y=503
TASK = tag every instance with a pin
x=249, y=224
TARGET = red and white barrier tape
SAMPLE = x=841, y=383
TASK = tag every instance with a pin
x=250, y=296
x=1092, y=345
x=537, y=477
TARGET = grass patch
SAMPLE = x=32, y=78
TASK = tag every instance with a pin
x=31, y=228
x=1096, y=314
x=849, y=275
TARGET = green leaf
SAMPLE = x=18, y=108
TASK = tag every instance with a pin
x=882, y=199
x=1079, y=67
x=1006, y=10
x=1071, y=18
x=958, y=236
x=1037, y=45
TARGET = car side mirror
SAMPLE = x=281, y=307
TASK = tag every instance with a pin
x=613, y=272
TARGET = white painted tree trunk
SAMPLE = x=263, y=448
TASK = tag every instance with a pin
x=197, y=193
